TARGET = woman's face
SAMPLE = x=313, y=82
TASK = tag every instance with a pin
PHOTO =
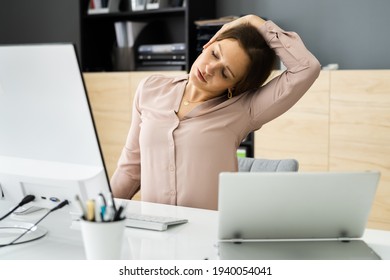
x=219, y=67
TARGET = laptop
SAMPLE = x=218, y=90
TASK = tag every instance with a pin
x=295, y=215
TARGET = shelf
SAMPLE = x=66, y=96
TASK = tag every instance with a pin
x=99, y=51
x=145, y=14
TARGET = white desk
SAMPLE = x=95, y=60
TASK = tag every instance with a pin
x=195, y=240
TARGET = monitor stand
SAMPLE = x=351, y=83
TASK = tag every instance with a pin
x=10, y=230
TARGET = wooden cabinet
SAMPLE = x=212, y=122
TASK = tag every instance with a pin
x=302, y=132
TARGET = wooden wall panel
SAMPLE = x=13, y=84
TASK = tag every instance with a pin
x=111, y=101
x=360, y=131
x=302, y=132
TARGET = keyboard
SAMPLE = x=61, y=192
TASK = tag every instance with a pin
x=151, y=222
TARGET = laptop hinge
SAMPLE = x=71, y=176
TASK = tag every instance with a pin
x=344, y=239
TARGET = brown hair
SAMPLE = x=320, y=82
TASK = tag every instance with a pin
x=262, y=57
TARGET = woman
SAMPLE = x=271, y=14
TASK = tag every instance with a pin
x=185, y=130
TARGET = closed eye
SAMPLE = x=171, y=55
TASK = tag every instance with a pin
x=215, y=55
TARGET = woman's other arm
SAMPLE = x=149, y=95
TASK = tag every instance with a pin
x=125, y=182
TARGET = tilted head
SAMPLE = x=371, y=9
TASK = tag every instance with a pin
x=261, y=57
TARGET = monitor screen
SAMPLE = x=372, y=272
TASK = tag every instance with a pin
x=48, y=141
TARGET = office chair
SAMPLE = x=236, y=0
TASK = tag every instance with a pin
x=267, y=165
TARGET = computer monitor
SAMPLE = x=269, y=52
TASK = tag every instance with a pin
x=48, y=142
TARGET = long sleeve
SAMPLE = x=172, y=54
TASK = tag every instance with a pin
x=282, y=92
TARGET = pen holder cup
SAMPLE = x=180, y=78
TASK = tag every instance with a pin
x=102, y=240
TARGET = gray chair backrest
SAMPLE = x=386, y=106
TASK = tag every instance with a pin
x=267, y=165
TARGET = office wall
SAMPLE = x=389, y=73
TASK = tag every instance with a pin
x=352, y=33
x=39, y=21
x=341, y=124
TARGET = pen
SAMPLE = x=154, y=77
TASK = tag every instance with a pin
x=104, y=199
x=83, y=212
x=118, y=214
x=100, y=209
x=104, y=204
x=111, y=200
x=98, y=212
x=110, y=212
x=90, y=210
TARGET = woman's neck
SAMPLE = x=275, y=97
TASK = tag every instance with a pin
x=193, y=94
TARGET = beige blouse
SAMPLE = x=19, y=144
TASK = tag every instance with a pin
x=178, y=161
